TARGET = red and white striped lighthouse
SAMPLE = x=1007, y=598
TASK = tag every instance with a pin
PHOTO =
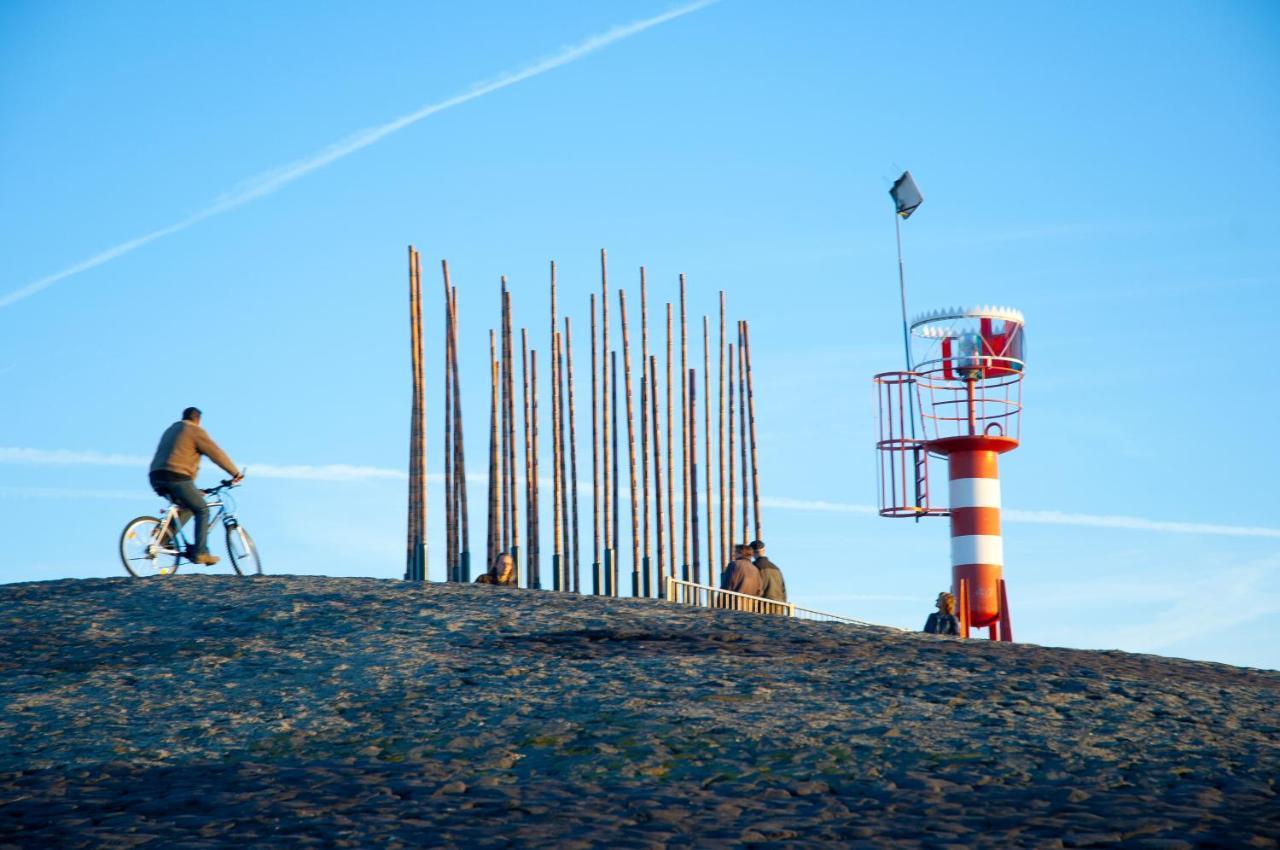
x=963, y=404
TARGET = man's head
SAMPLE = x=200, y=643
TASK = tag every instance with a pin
x=946, y=603
x=192, y=414
x=506, y=567
x=757, y=546
x=745, y=551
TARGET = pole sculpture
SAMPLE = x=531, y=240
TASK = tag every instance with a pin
x=450, y=529
x=513, y=506
x=751, y=416
x=555, y=463
x=631, y=448
x=597, y=578
x=742, y=432
x=693, y=471
x=416, y=555
x=531, y=530
x=733, y=485
x=671, y=466
x=646, y=571
x=463, y=571
x=573, y=458
x=657, y=467
x=616, y=475
x=706, y=422
x=724, y=529
x=609, y=554
x=684, y=427
x=503, y=508
x=535, y=511
x=495, y=533
x=563, y=418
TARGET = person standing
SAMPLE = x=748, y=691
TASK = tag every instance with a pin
x=173, y=476
x=741, y=576
x=944, y=620
x=772, y=585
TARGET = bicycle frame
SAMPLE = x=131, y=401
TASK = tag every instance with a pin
x=218, y=499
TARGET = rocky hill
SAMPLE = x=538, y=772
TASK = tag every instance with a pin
x=312, y=712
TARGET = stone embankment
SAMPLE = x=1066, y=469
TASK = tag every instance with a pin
x=311, y=712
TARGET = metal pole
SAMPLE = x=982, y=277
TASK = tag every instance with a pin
x=684, y=425
x=605, y=493
x=413, y=562
x=742, y=433
x=573, y=457
x=531, y=545
x=706, y=424
x=535, y=541
x=657, y=466
x=616, y=473
x=495, y=533
x=751, y=416
x=671, y=466
x=463, y=571
x=450, y=537
x=631, y=448
x=693, y=471
x=555, y=463
x=504, y=511
x=724, y=529
x=733, y=485
x=597, y=582
x=562, y=399
x=646, y=573
x=513, y=504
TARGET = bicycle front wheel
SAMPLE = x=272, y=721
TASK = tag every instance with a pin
x=143, y=555
x=243, y=552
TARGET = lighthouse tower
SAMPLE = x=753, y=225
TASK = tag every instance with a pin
x=960, y=402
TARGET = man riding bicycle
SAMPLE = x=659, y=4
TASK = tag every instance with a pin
x=173, y=474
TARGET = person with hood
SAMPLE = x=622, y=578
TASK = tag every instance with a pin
x=772, y=585
x=944, y=620
x=503, y=571
x=741, y=576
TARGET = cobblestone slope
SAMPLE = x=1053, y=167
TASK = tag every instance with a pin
x=206, y=711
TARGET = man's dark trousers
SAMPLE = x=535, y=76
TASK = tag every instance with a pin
x=184, y=493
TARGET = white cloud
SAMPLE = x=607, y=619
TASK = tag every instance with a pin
x=276, y=179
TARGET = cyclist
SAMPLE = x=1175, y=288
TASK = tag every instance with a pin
x=173, y=474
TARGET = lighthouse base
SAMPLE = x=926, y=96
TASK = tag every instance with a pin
x=1000, y=628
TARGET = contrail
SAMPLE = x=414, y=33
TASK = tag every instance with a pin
x=271, y=181
x=347, y=472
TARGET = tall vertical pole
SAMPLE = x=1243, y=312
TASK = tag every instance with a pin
x=575, y=574
x=742, y=432
x=562, y=401
x=597, y=583
x=631, y=447
x=495, y=533
x=732, y=490
x=693, y=472
x=616, y=474
x=555, y=463
x=646, y=571
x=751, y=417
x=531, y=545
x=463, y=571
x=684, y=427
x=504, y=513
x=609, y=553
x=657, y=468
x=671, y=466
x=706, y=425
x=535, y=511
x=906, y=349
x=513, y=504
x=415, y=559
x=724, y=529
x=450, y=503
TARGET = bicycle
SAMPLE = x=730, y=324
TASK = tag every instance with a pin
x=151, y=546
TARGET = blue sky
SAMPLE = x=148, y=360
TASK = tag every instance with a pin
x=1109, y=170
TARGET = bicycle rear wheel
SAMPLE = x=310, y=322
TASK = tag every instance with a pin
x=243, y=552
x=142, y=554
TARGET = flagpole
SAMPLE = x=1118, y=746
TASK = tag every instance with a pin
x=906, y=347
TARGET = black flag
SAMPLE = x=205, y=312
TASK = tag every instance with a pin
x=906, y=197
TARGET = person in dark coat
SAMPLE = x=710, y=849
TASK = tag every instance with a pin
x=944, y=620
x=772, y=585
x=741, y=576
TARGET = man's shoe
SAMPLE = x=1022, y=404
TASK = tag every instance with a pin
x=205, y=558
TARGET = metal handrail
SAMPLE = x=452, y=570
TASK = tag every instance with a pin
x=684, y=592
